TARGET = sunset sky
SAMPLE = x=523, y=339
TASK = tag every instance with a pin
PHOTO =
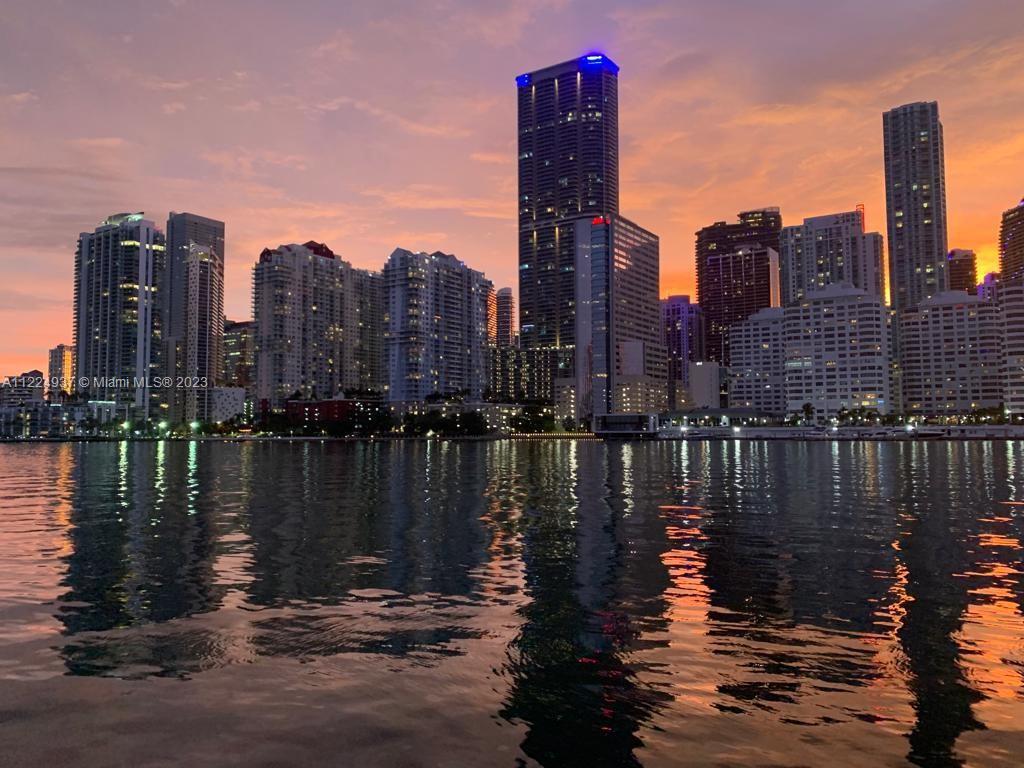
x=371, y=125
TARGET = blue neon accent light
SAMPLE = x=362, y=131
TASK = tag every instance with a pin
x=522, y=80
x=595, y=60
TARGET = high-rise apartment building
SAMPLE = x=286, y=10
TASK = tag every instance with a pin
x=962, y=270
x=754, y=229
x=370, y=376
x=736, y=284
x=117, y=324
x=436, y=314
x=838, y=352
x=1011, y=242
x=239, y=355
x=568, y=162
x=1011, y=318
x=915, y=197
x=314, y=325
x=505, y=304
x=61, y=370
x=830, y=249
x=951, y=355
x=757, y=348
x=193, y=313
x=622, y=343
x=683, y=323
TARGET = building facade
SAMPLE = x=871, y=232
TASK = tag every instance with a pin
x=838, y=352
x=757, y=347
x=436, y=318
x=192, y=290
x=117, y=313
x=962, y=270
x=61, y=370
x=988, y=288
x=311, y=325
x=1011, y=318
x=737, y=284
x=568, y=166
x=915, y=198
x=1011, y=242
x=239, y=355
x=505, y=307
x=830, y=249
x=683, y=324
x=951, y=355
x=754, y=229
x=625, y=344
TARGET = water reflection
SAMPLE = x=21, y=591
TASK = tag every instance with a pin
x=621, y=600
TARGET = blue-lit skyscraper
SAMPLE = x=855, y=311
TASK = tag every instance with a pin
x=568, y=167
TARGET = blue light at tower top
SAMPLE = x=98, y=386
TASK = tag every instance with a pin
x=522, y=80
x=599, y=60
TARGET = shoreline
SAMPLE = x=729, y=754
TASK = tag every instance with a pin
x=794, y=434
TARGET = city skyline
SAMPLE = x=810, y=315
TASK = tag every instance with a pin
x=744, y=145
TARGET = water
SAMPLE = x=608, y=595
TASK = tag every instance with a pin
x=549, y=603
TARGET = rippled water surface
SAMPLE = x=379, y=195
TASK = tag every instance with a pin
x=512, y=603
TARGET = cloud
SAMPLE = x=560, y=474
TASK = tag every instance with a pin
x=252, y=105
x=21, y=98
x=492, y=158
x=18, y=301
x=172, y=107
x=246, y=163
x=417, y=128
x=100, y=142
x=338, y=48
x=431, y=197
x=159, y=84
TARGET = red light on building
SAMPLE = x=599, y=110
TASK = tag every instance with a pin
x=599, y=220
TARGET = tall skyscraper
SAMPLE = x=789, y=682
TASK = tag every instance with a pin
x=61, y=370
x=193, y=313
x=830, y=249
x=754, y=229
x=915, y=198
x=117, y=311
x=568, y=160
x=683, y=323
x=1011, y=243
x=315, y=325
x=435, y=327
x=506, y=317
x=736, y=284
x=962, y=270
x=622, y=344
